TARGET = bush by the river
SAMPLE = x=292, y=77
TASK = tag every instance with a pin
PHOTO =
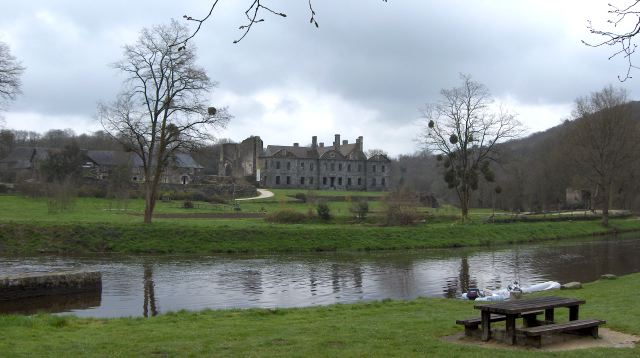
x=323, y=210
x=286, y=216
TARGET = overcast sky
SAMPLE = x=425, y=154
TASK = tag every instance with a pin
x=365, y=71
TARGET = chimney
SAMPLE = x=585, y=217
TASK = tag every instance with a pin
x=336, y=142
x=321, y=145
x=314, y=142
x=345, y=142
x=359, y=143
x=296, y=144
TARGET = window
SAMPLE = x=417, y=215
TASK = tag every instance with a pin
x=266, y=164
x=333, y=166
x=311, y=180
x=278, y=165
x=288, y=180
x=324, y=180
x=265, y=179
x=301, y=180
x=311, y=166
x=359, y=181
x=288, y=165
x=340, y=181
x=278, y=180
x=348, y=167
x=374, y=168
x=384, y=182
x=302, y=165
x=349, y=181
x=325, y=166
x=383, y=168
x=340, y=166
x=373, y=181
x=359, y=167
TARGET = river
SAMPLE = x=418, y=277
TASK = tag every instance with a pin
x=148, y=285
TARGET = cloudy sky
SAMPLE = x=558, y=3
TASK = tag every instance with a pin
x=365, y=71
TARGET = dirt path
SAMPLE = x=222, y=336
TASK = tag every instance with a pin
x=264, y=193
x=559, y=342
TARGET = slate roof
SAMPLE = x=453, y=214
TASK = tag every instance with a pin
x=24, y=157
x=113, y=158
x=184, y=160
x=309, y=152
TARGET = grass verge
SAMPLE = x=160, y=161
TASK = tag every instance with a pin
x=249, y=236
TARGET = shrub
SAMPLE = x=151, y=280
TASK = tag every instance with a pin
x=4, y=189
x=360, y=208
x=323, y=211
x=301, y=196
x=61, y=196
x=31, y=190
x=94, y=190
x=286, y=216
x=398, y=213
x=187, y=204
x=217, y=199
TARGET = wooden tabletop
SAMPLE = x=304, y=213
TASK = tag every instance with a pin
x=519, y=306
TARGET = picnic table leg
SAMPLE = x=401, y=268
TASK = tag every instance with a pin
x=511, y=329
x=548, y=315
x=573, y=313
x=486, y=325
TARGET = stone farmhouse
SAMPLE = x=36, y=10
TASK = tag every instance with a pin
x=341, y=166
x=99, y=164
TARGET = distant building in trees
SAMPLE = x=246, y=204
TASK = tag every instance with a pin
x=24, y=162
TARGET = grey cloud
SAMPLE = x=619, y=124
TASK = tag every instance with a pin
x=388, y=57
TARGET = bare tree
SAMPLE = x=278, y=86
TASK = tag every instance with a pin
x=10, y=72
x=463, y=129
x=626, y=25
x=376, y=151
x=604, y=140
x=253, y=15
x=162, y=107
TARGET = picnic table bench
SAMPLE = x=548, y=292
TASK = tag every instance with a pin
x=534, y=334
x=471, y=324
x=533, y=328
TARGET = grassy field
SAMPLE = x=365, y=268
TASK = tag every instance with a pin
x=27, y=228
x=378, y=329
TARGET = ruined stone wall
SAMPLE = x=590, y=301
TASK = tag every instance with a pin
x=241, y=160
x=57, y=283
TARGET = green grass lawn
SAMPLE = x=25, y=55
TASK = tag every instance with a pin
x=26, y=228
x=377, y=329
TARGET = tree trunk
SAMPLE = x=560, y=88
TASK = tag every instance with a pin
x=605, y=207
x=149, y=202
x=464, y=204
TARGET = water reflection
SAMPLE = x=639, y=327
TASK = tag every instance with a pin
x=173, y=283
x=149, y=305
x=53, y=304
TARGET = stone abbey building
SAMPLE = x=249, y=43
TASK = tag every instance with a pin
x=341, y=166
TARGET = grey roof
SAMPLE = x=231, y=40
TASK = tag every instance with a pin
x=184, y=160
x=24, y=157
x=113, y=158
x=300, y=152
x=109, y=157
x=310, y=153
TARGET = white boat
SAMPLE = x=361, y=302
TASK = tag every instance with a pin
x=506, y=293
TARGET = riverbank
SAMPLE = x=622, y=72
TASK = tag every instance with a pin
x=386, y=328
x=252, y=236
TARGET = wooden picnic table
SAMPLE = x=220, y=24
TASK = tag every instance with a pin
x=519, y=308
